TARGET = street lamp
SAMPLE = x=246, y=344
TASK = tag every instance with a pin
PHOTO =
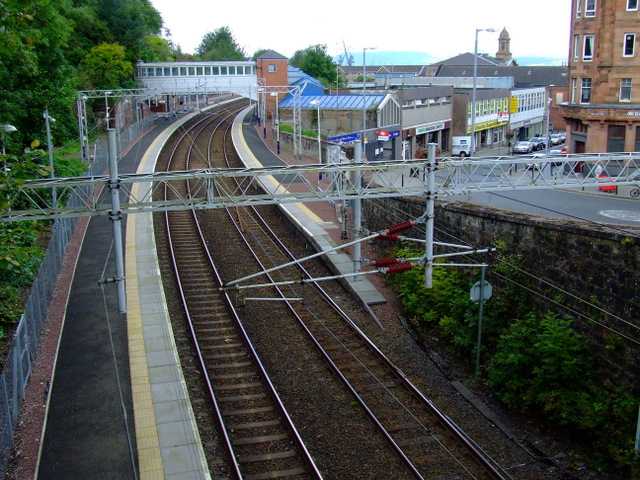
x=277, y=122
x=364, y=104
x=473, y=94
x=47, y=120
x=7, y=128
x=317, y=103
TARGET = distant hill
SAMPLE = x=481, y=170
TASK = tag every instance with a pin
x=547, y=61
x=376, y=57
x=382, y=57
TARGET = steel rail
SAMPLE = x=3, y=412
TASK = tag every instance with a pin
x=228, y=441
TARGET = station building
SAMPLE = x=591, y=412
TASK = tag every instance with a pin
x=603, y=108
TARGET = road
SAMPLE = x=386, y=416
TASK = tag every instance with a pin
x=577, y=204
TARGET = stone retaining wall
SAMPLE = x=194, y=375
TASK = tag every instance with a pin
x=593, y=263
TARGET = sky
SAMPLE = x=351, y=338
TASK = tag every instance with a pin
x=441, y=29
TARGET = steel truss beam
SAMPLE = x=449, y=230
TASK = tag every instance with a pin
x=292, y=184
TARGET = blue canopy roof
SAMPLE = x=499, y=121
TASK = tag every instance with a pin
x=338, y=102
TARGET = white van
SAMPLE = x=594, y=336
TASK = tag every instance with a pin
x=461, y=146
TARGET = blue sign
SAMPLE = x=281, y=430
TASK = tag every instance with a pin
x=345, y=139
x=352, y=137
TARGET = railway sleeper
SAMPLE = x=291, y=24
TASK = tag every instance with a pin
x=243, y=398
x=229, y=366
x=292, y=472
x=238, y=386
x=252, y=425
x=248, y=411
x=223, y=346
x=231, y=376
x=223, y=356
x=262, y=439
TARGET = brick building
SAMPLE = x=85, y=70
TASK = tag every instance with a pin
x=603, y=111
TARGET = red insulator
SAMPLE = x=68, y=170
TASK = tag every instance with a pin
x=400, y=227
x=389, y=238
x=384, y=262
x=403, y=267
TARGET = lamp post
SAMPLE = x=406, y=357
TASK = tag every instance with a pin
x=473, y=94
x=364, y=98
x=7, y=128
x=47, y=120
x=277, y=122
x=317, y=103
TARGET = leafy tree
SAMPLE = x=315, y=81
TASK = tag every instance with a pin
x=130, y=21
x=89, y=31
x=258, y=53
x=106, y=67
x=315, y=61
x=34, y=71
x=220, y=45
x=156, y=49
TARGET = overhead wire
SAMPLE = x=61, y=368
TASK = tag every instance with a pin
x=563, y=291
x=549, y=283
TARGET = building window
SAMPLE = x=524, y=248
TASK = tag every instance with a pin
x=590, y=8
x=629, y=45
x=576, y=48
x=632, y=4
x=578, y=8
x=625, y=90
x=585, y=92
x=574, y=90
x=272, y=68
x=587, y=52
x=637, y=149
x=615, y=138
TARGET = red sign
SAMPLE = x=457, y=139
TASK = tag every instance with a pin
x=503, y=117
x=383, y=135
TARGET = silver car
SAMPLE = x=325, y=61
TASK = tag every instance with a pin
x=523, y=147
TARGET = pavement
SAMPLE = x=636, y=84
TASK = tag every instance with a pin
x=89, y=431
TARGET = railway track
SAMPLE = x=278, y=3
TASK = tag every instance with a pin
x=261, y=440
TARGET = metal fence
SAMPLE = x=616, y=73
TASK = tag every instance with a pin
x=21, y=355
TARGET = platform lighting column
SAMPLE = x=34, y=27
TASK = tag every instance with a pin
x=277, y=122
x=47, y=121
x=357, y=210
x=6, y=128
x=317, y=104
x=364, y=98
x=473, y=93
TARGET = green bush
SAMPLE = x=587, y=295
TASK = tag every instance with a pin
x=534, y=362
x=10, y=309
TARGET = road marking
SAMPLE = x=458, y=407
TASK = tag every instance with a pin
x=627, y=215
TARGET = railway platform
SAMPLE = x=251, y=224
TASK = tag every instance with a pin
x=318, y=221
x=118, y=405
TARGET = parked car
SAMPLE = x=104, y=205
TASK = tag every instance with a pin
x=555, y=139
x=523, y=147
x=563, y=136
x=538, y=143
x=558, y=151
